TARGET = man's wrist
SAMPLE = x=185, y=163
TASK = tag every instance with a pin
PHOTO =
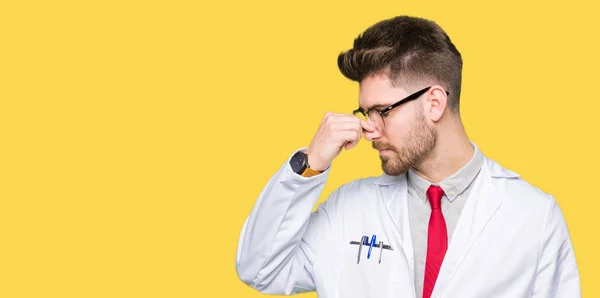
x=314, y=164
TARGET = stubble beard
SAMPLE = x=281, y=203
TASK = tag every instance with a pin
x=417, y=145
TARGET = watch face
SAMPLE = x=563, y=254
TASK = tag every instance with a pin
x=298, y=162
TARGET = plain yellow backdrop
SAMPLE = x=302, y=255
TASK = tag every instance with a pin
x=135, y=136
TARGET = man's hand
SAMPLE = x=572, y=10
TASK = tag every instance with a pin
x=336, y=131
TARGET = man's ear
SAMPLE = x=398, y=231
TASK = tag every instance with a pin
x=437, y=103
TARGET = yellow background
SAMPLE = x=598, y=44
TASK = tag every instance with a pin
x=136, y=135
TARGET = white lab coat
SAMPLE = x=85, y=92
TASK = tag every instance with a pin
x=511, y=240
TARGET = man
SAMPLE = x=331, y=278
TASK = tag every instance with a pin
x=442, y=221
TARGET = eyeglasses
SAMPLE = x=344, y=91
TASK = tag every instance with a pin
x=376, y=116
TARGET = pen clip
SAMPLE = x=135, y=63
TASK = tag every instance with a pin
x=380, y=250
x=363, y=240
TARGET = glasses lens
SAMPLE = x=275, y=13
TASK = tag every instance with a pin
x=376, y=120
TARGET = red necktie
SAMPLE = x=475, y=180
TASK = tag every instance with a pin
x=437, y=239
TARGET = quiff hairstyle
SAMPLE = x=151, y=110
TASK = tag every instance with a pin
x=410, y=52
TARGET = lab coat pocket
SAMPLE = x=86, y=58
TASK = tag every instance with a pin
x=382, y=273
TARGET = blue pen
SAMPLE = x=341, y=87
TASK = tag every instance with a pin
x=371, y=246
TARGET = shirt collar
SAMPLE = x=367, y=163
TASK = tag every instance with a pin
x=453, y=185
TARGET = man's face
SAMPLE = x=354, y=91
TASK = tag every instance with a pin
x=407, y=138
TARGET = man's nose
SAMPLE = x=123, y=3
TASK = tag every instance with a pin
x=372, y=135
x=370, y=131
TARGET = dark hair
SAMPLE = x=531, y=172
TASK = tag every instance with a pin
x=410, y=51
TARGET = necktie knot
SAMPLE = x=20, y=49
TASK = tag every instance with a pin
x=434, y=195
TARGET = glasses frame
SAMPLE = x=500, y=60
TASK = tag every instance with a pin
x=394, y=105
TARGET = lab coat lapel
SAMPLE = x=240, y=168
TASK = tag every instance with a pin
x=395, y=195
x=481, y=205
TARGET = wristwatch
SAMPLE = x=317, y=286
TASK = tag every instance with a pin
x=299, y=162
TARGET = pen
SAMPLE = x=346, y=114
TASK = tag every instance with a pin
x=362, y=240
x=371, y=246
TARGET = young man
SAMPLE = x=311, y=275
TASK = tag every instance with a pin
x=442, y=221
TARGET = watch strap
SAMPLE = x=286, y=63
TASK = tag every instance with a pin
x=308, y=172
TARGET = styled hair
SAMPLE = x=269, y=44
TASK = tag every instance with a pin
x=410, y=52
